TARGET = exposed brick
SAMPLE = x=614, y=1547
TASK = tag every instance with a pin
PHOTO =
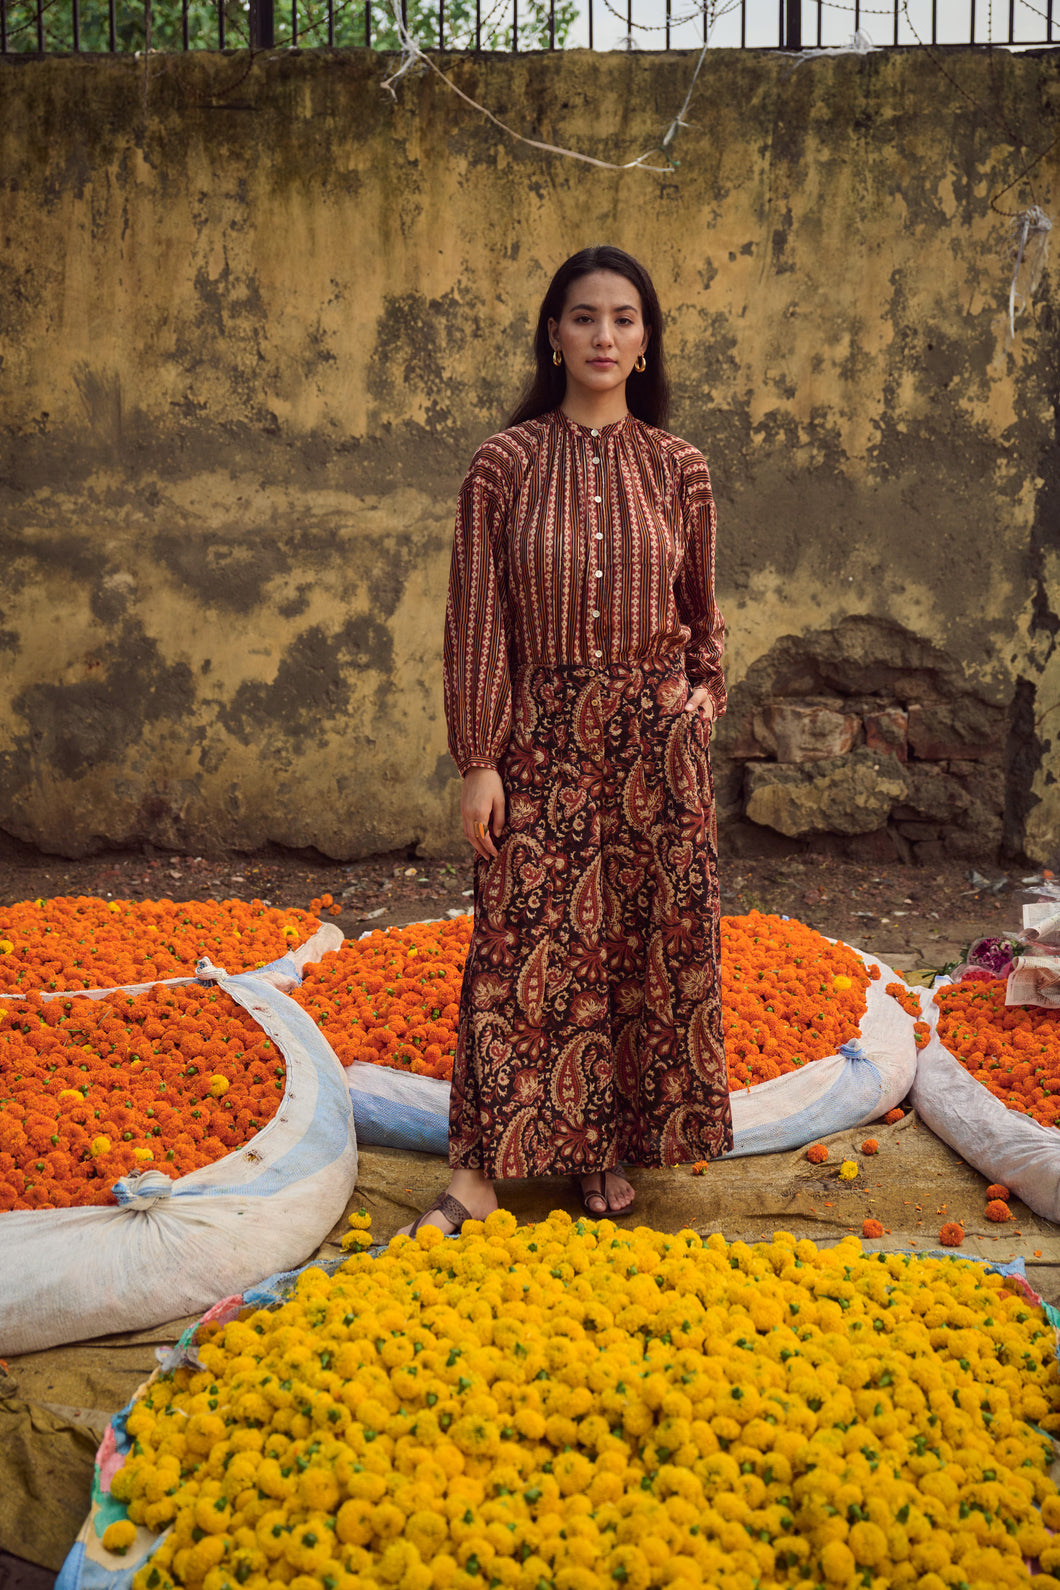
x=954, y=731
x=887, y=730
x=810, y=733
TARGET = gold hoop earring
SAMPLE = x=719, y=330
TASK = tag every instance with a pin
x=640, y=364
x=557, y=357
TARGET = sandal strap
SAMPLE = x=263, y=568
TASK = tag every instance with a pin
x=453, y=1210
x=448, y=1207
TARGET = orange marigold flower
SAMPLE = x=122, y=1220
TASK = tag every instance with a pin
x=997, y=1190
x=870, y=1146
x=951, y=1234
x=871, y=1228
x=905, y=997
x=817, y=1153
x=998, y=1211
x=894, y=1115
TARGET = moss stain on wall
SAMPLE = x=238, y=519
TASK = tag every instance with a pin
x=251, y=342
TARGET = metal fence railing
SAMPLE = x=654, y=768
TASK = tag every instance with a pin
x=39, y=27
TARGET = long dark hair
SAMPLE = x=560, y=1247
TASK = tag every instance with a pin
x=647, y=395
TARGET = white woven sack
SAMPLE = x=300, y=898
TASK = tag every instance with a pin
x=868, y=1077
x=1001, y=1144
x=173, y=1248
x=397, y=1109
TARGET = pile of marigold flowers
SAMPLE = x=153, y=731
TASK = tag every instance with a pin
x=788, y=996
x=82, y=942
x=93, y=1089
x=1013, y=1050
x=392, y=998
x=569, y=1406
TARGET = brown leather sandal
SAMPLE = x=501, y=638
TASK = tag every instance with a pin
x=449, y=1208
x=585, y=1193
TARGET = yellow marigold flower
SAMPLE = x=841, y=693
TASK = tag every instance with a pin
x=318, y=1490
x=212, y=1515
x=427, y=1531
x=99, y=1145
x=400, y=1564
x=868, y=1543
x=308, y=1546
x=271, y=1532
x=119, y=1536
x=203, y=1432
x=203, y=1556
x=628, y=1566
x=359, y=1220
x=219, y=1085
x=837, y=1563
x=848, y=1170
x=388, y=1521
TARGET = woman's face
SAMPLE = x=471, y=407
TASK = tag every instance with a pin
x=600, y=332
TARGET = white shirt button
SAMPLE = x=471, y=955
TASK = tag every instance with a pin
x=599, y=574
x=598, y=499
x=598, y=654
x=596, y=612
x=594, y=433
x=596, y=460
x=599, y=535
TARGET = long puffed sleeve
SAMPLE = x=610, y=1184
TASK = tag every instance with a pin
x=694, y=590
x=476, y=677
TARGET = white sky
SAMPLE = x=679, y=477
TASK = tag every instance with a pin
x=837, y=23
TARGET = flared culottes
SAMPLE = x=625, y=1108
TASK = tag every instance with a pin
x=590, y=1019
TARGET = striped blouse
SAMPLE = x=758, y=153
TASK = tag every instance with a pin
x=575, y=547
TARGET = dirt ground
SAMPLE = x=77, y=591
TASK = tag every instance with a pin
x=910, y=917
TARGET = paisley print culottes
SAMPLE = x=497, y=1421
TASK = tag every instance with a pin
x=590, y=1020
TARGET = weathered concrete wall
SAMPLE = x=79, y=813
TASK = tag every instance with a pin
x=254, y=323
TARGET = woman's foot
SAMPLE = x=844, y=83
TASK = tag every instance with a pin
x=471, y=1191
x=605, y=1193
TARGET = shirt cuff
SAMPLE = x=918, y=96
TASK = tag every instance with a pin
x=476, y=761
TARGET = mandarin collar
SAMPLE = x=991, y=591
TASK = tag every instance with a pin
x=591, y=433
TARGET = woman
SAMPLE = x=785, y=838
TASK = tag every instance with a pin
x=582, y=672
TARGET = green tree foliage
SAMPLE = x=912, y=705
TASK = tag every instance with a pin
x=169, y=18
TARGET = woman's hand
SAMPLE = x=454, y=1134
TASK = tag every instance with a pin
x=700, y=701
x=482, y=809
